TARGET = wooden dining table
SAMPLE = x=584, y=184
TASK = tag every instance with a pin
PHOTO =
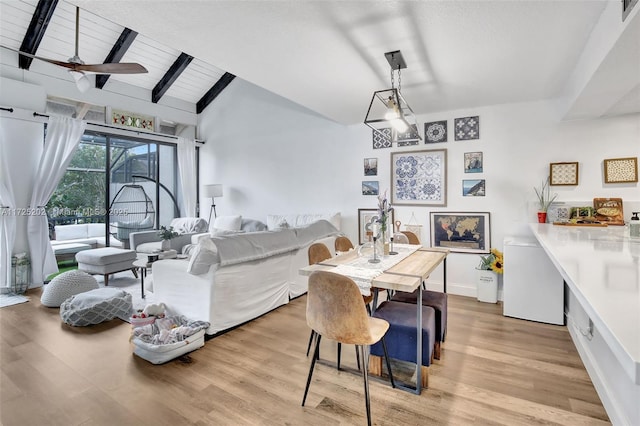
x=406, y=275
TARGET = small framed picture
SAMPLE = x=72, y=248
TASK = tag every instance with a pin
x=371, y=167
x=365, y=216
x=563, y=173
x=473, y=162
x=473, y=188
x=370, y=187
x=621, y=170
x=435, y=132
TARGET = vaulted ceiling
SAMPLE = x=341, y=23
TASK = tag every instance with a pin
x=329, y=55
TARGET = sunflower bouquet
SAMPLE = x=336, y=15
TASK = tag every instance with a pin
x=494, y=261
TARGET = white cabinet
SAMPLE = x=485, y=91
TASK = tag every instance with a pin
x=533, y=288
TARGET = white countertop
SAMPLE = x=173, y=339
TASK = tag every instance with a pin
x=601, y=266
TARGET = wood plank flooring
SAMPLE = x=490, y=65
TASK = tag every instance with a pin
x=493, y=370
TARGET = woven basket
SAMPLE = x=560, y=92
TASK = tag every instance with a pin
x=139, y=322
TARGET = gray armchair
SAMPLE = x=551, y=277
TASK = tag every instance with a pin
x=149, y=241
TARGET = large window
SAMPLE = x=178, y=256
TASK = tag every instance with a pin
x=128, y=184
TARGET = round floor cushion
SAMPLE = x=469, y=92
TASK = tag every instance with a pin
x=96, y=306
x=65, y=285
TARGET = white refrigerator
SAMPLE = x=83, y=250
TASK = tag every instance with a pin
x=533, y=287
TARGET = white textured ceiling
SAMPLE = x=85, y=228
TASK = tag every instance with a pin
x=329, y=55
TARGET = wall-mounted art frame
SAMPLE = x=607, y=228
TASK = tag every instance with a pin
x=364, y=217
x=462, y=232
x=473, y=187
x=563, y=173
x=370, y=187
x=466, y=128
x=621, y=170
x=371, y=167
x=435, y=131
x=473, y=162
x=419, y=178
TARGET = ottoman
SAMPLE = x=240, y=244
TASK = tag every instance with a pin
x=401, y=336
x=66, y=285
x=96, y=306
x=105, y=261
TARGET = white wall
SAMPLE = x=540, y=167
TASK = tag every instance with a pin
x=274, y=156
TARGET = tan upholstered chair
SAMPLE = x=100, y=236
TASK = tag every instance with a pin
x=317, y=252
x=335, y=311
x=413, y=238
x=343, y=244
x=400, y=238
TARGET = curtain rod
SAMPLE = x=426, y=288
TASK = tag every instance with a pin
x=37, y=114
x=6, y=109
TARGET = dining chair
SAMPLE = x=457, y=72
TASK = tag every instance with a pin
x=335, y=311
x=413, y=238
x=343, y=244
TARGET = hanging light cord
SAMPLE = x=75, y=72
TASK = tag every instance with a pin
x=393, y=86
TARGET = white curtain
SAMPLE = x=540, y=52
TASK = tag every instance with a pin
x=7, y=218
x=61, y=142
x=187, y=170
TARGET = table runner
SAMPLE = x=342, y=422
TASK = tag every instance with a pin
x=362, y=272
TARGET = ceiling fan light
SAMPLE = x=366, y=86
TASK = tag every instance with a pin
x=82, y=81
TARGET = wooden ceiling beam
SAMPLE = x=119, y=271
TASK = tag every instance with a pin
x=170, y=76
x=39, y=22
x=117, y=52
x=217, y=88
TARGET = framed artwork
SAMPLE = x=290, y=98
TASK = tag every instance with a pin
x=407, y=138
x=435, y=132
x=473, y=162
x=381, y=138
x=563, y=173
x=419, y=178
x=371, y=187
x=364, y=217
x=473, y=188
x=371, y=167
x=466, y=128
x=621, y=170
x=461, y=231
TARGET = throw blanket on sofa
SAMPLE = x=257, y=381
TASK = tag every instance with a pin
x=240, y=248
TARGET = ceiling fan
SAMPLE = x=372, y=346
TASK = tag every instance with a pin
x=77, y=68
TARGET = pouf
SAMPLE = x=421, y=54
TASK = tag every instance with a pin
x=105, y=261
x=96, y=306
x=65, y=285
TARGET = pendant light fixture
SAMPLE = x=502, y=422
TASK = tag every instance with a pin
x=388, y=109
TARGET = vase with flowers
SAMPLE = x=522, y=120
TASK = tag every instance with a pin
x=490, y=267
x=384, y=210
x=166, y=234
x=544, y=200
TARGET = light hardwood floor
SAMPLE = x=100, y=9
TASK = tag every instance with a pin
x=493, y=370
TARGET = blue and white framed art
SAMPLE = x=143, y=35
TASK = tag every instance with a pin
x=473, y=187
x=466, y=128
x=435, y=132
x=419, y=178
x=381, y=138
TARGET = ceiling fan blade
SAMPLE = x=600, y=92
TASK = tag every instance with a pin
x=112, y=68
x=40, y=58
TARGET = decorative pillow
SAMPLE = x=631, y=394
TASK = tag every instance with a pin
x=96, y=306
x=252, y=225
x=65, y=285
x=204, y=255
x=189, y=225
x=229, y=223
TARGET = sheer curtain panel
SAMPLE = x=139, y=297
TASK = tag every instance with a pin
x=187, y=170
x=61, y=142
x=7, y=220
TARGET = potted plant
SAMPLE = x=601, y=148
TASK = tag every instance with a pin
x=167, y=234
x=487, y=277
x=544, y=200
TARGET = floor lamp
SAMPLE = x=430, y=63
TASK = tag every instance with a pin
x=213, y=191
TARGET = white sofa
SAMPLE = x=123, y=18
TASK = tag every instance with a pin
x=238, y=287
x=71, y=239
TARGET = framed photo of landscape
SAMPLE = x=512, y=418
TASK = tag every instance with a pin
x=462, y=232
x=419, y=178
x=364, y=217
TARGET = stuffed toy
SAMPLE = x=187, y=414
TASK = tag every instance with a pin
x=156, y=310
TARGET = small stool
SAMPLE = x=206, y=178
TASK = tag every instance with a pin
x=401, y=336
x=105, y=261
x=437, y=301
